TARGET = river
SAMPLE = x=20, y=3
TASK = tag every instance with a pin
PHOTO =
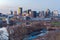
x=34, y=35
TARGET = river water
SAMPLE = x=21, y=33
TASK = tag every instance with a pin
x=34, y=35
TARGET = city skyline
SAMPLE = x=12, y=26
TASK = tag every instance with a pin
x=7, y=5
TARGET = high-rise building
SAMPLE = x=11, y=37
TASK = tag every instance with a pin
x=34, y=14
x=31, y=14
x=55, y=13
x=41, y=14
x=29, y=10
x=0, y=13
x=20, y=11
x=11, y=12
x=47, y=13
x=15, y=13
x=24, y=13
x=37, y=14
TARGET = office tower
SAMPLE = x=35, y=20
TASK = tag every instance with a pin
x=47, y=13
x=15, y=13
x=34, y=14
x=41, y=14
x=24, y=13
x=0, y=13
x=55, y=13
x=37, y=14
x=29, y=10
x=20, y=11
x=30, y=13
x=11, y=12
x=51, y=14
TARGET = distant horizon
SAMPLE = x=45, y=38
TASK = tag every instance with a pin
x=38, y=5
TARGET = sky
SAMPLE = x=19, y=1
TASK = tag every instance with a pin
x=7, y=5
